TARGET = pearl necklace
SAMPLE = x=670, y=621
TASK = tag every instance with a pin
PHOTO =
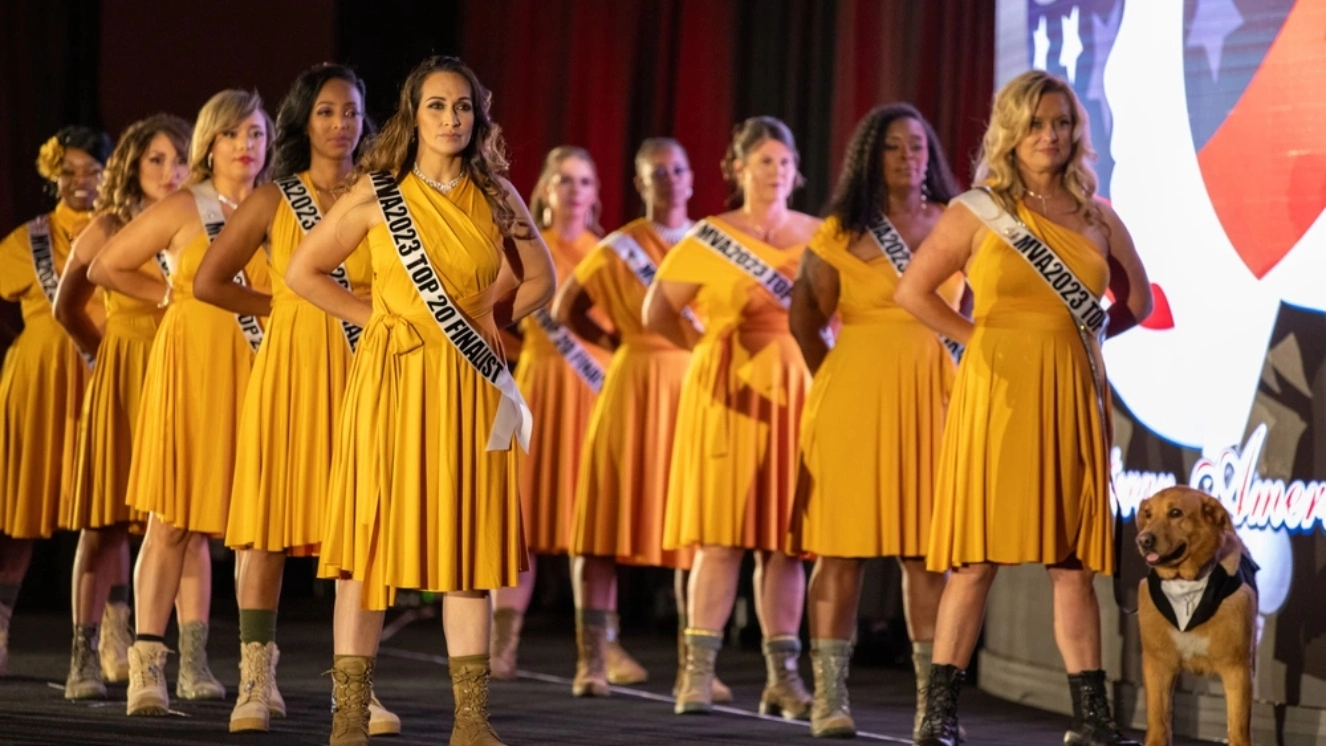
x=439, y=186
x=671, y=235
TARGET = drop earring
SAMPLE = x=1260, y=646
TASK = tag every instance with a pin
x=209, y=161
x=546, y=215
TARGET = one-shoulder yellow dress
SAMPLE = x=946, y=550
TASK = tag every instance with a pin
x=871, y=430
x=110, y=411
x=1024, y=467
x=734, y=457
x=416, y=500
x=622, y=489
x=560, y=401
x=287, y=426
x=41, y=387
x=184, y=443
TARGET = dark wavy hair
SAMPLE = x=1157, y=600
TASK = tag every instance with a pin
x=746, y=137
x=291, y=151
x=485, y=161
x=861, y=191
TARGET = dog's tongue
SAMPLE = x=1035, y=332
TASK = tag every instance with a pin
x=1153, y=558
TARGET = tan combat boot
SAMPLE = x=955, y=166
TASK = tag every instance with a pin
x=147, y=679
x=196, y=681
x=784, y=692
x=352, y=680
x=591, y=678
x=469, y=683
x=252, y=711
x=116, y=637
x=84, y=680
x=831, y=715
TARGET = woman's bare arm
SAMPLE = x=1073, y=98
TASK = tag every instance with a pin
x=1128, y=280
x=75, y=289
x=230, y=251
x=814, y=299
x=571, y=309
x=116, y=265
x=662, y=311
x=944, y=252
x=326, y=247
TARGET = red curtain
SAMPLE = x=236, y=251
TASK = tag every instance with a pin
x=604, y=75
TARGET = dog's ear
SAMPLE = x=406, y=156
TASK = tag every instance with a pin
x=1215, y=514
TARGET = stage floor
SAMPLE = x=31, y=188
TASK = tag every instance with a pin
x=412, y=680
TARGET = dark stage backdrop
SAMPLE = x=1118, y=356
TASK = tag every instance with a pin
x=599, y=73
x=603, y=74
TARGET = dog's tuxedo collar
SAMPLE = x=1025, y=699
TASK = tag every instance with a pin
x=1209, y=591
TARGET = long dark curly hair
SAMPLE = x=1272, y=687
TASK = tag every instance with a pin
x=291, y=151
x=861, y=191
x=395, y=148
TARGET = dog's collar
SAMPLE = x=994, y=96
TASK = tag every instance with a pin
x=1219, y=585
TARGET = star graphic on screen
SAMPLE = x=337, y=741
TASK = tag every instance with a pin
x=1215, y=20
x=1071, y=48
x=1041, y=45
x=1104, y=32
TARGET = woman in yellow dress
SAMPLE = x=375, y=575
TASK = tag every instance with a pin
x=423, y=488
x=560, y=375
x=149, y=163
x=184, y=441
x=622, y=485
x=41, y=383
x=734, y=463
x=871, y=428
x=1023, y=466
x=288, y=419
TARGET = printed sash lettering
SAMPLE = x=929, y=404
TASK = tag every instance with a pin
x=513, y=415
x=209, y=211
x=745, y=260
x=637, y=260
x=773, y=281
x=43, y=261
x=1081, y=303
x=575, y=354
x=306, y=211
x=899, y=254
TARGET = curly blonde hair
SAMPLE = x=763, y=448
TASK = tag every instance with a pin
x=121, y=193
x=538, y=199
x=395, y=147
x=224, y=111
x=1010, y=123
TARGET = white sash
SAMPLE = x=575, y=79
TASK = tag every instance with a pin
x=43, y=257
x=773, y=281
x=899, y=254
x=306, y=211
x=43, y=261
x=575, y=354
x=1081, y=303
x=637, y=260
x=513, y=415
x=209, y=211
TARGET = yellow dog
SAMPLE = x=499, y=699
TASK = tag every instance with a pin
x=1197, y=607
